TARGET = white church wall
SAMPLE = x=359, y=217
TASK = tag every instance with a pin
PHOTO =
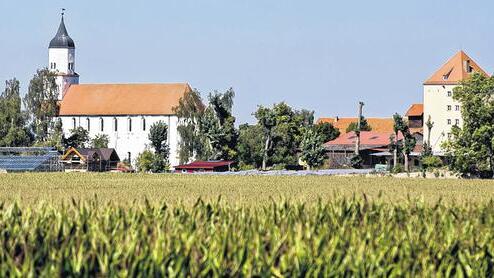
x=123, y=139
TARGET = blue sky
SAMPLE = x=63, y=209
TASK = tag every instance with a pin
x=319, y=55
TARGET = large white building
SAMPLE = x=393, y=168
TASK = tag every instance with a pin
x=124, y=112
x=439, y=105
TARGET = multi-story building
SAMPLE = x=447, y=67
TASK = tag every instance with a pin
x=439, y=104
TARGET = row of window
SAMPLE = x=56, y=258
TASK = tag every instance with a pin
x=53, y=66
x=115, y=124
x=457, y=122
x=457, y=108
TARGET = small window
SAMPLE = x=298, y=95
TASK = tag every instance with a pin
x=130, y=124
x=73, y=123
x=457, y=108
x=449, y=135
x=457, y=122
x=144, y=124
x=101, y=124
x=54, y=65
x=450, y=93
x=88, y=121
x=448, y=107
x=449, y=121
x=115, y=124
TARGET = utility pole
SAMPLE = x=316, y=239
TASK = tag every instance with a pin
x=357, y=129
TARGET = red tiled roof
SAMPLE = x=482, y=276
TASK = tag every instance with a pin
x=454, y=71
x=205, y=164
x=416, y=109
x=380, y=125
x=367, y=138
x=122, y=99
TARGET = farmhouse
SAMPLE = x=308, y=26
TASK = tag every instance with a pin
x=124, y=112
x=90, y=159
x=380, y=125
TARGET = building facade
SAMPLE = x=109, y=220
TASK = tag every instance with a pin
x=123, y=112
x=439, y=104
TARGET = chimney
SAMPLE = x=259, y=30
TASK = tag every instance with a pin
x=336, y=119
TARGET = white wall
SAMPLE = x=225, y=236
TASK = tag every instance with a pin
x=61, y=57
x=436, y=101
x=124, y=140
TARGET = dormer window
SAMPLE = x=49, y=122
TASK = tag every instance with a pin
x=446, y=76
x=468, y=66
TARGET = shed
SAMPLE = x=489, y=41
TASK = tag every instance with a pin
x=205, y=166
x=90, y=159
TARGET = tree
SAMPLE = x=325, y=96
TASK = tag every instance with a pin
x=250, y=145
x=12, y=130
x=144, y=161
x=398, y=126
x=312, y=149
x=282, y=133
x=100, y=141
x=190, y=111
x=158, y=134
x=41, y=103
x=364, y=125
x=218, y=126
x=471, y=146
x=327, y=131
x=79, y=138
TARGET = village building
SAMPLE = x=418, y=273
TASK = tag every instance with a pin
x=90, y=160
x=205, y=166
x=415, y=118
x=123, y=112
x=380, y=125
x=439, y=104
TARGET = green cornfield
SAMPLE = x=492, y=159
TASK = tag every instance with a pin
x=274, y=232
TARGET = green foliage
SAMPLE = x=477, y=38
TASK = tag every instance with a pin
x=471, y=146
x=406, y=145
x=312, y=150
x=100, y=141
x=282, y=132
x=327, y=131
x=12, y=130
x=398, y=169
x=431, y=162
x=192, y=144
x=218, y=126
x=158, y=135
x=144, y=161
x=79, y=138
x=250, y=145
x=340, y=238
x=364, y=125
x=41, y=104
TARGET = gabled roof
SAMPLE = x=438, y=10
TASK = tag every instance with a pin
x=86, y=154
x=377, y=124
x=62, y=38
x=368, y=140
x=122, y=99
x=416, y=109
x=457, y=69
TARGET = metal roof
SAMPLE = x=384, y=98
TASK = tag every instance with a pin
x=62, y=38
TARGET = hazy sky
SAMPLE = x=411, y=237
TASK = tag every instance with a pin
x=320, y=55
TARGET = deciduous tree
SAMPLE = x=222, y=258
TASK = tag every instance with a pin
x=312, y=149
x=12, y=130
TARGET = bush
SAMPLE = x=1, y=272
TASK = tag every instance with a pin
x=398, y=169
x=431, y=162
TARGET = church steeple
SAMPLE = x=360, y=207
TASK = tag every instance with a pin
x=62, y=38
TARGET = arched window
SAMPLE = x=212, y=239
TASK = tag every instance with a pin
x=143, y=123
x=73, y=123
x=101, y=124
x=115, y=124
x=130, y=124
x=88, y=121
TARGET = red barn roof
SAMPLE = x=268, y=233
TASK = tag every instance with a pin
x=416, y=109
x=368, y=140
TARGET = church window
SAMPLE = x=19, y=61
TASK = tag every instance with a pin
x=457, y=122
x=115, y=124
x=449, y=93
x=449, y=107
x=101, y=124
x=449, y=121
x=88, y=121
x=457, y=108
x=73, y=123
x=143, y=124
x=130, y=125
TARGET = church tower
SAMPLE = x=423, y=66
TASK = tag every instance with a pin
x=61, y=58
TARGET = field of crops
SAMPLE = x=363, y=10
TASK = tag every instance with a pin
x=156, y=225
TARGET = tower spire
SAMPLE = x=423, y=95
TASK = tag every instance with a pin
x=63, y=12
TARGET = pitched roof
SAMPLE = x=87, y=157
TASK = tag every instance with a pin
x=377, y=124
x=205, y=164
x=458, y=68
x=87, y=153
x=416, y=109
x=122, y=99
x=368, y=140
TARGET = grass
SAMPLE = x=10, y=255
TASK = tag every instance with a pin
x=29, y=189
x=51, y=225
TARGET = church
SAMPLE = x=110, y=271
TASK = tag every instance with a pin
x=124, y=112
